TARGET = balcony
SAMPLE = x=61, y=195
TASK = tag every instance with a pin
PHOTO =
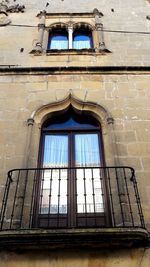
x=63, y=207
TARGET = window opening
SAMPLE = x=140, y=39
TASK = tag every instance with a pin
x=58, y=39
x=82, y=39
x=72, y=188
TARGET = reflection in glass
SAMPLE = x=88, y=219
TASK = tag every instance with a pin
x=89, y=188
x=54, y=181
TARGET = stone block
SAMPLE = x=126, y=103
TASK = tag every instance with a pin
x=146, y=163
x=139, y=149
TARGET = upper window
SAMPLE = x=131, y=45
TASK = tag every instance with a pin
x=62, y=39
x=76, y=33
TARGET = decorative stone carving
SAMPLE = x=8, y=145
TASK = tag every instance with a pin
x=4, y=20
x=7, y=7
x=97, y=13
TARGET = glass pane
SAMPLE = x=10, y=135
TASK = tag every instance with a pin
x=55, y=151
x=58, y=41
x=82, y=41
x=54, y=181
x=87, y=150
x=89, y=187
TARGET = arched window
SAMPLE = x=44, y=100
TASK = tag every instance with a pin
x=71, y=189
x=82, y=39
x=58, y=39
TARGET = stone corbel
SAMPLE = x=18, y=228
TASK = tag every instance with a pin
x=38, y=48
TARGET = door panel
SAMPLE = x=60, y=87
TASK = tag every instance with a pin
x=71, y=197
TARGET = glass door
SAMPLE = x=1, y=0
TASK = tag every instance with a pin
x=54, y=185
x=89, y=188
x=71, y=186
x=53, y=206
x=89, y=185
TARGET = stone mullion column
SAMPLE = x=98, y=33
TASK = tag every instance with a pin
x=99, y=30
x=41, y=27
x=30, y=123
x=70, y=36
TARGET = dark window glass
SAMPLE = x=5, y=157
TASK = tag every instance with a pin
x=72, y=121
x=58, y=39
x=82, y=39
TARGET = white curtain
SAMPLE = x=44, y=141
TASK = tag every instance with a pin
x=55, y=155
x=55, y=151
x=59, y=44
x=87, y=150
x=81, y=44
x=89, y=191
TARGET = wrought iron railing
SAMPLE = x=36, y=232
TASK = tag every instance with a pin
x=71, y=198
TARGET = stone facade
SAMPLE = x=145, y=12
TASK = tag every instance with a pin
x=117, y=80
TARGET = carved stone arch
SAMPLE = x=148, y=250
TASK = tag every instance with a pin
x=84, y=25
x=57, y=25
x=98, y=111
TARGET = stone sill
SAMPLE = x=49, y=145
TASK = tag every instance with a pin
x=76, y=52
x=71, y=238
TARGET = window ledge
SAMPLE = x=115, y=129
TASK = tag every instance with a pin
x=70, y=238
x=76, y=51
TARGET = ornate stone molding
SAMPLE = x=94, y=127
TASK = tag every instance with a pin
x=7, y=7
x=96, y=12
x=98, y=111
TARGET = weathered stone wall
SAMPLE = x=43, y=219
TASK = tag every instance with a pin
x=103, y=258
x=126, y=49
x=125, y=96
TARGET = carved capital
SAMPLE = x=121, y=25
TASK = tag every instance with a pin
x=70, y=26
x=30, y=121
x=98, y=26
x=110, y=120
x=41, y=26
